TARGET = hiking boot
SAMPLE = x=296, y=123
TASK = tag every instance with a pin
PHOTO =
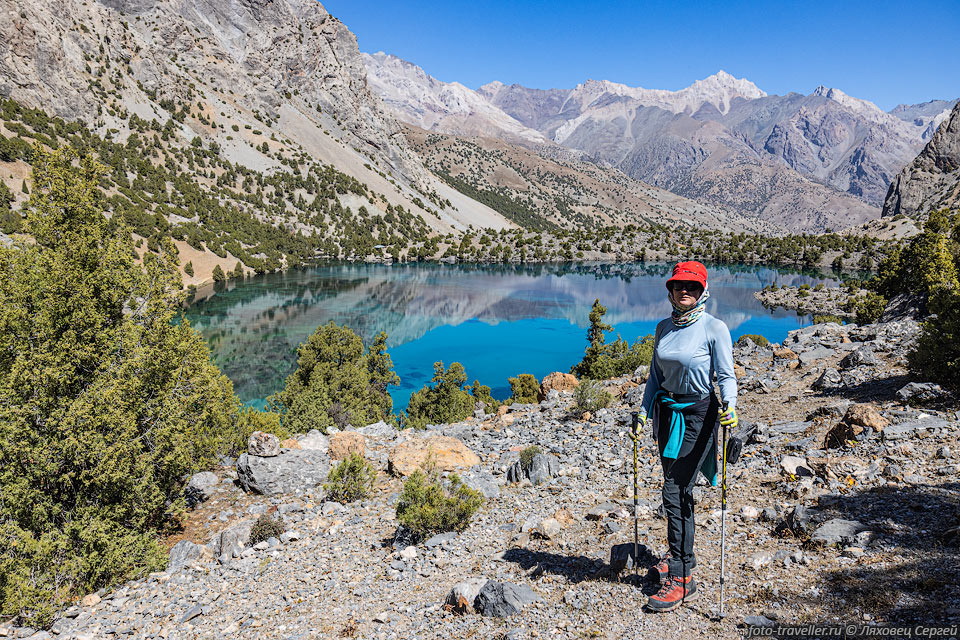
x=674, y=592
x=661, y=570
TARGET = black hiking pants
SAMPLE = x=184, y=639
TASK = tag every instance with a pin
x=680, y=475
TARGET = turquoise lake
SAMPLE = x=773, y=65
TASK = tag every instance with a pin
x=497, y=321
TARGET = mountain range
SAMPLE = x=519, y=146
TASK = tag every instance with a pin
x=804, y=162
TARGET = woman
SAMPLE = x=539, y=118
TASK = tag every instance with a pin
x=690, y=347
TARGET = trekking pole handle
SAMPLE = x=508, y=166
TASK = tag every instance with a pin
x=634, y=422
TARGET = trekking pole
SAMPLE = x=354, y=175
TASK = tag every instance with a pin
x=636, y=535
x=723, y=512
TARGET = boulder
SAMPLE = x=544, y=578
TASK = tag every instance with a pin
x=482, y=481
x=185, y=552
x=262, y=444
x=783, y=353
x=463, y=594
x=558, y=381
x=918, y=392
x=345, y=443
x=315, y=441
x=543, y=467
x=231, y=541
x=837, y=531
x=795, y=466
x=863, y=356
x=290, y=472
x=380, y=430
x=842, y=433
x=865, y=415
x=814, y=355
x=447, y=453
x=503, y=599
x=200, y=487
x=829, y=380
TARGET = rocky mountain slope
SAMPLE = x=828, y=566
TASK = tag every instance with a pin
x=810, y=162
x=843, y=509
x=234, y=75
x=566, y=191
x=932, y=180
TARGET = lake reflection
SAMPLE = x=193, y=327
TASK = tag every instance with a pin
x=498, y=321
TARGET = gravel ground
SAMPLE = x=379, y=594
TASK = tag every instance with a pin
x=343, y=573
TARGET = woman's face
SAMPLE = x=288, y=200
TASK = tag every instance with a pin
x=685, y=293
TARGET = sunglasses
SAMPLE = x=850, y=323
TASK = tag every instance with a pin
x=692, y=287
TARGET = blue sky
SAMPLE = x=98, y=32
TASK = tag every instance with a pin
x=886, y=52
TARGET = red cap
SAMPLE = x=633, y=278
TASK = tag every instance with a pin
x=690, y=272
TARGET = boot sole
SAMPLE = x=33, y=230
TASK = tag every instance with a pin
x=675, y=605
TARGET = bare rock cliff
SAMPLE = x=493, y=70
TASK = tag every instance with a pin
x=932, y=180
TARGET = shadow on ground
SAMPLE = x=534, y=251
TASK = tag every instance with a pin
x=920, y=580
x=577, y=569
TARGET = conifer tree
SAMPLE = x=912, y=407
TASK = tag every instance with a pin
x=105, y=402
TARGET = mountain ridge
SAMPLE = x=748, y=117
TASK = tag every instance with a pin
x=807, y=162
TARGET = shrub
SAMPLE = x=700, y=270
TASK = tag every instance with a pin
x=336, y=382
x=266, y=527
x=188, y=269
x=822, y=318
x=352, y=479
x=106, y=403
x=869, y=308
x=426, y=507
x=527, y=456
x=590, y=396
x=524, y=389
x=445, y=401
x=481, y=393
x=601, y=360
x=754, y=338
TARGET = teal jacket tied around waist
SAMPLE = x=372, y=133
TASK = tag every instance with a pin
x=678, y=426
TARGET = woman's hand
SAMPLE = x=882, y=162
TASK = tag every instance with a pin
x=641, y=423
x=729, y=418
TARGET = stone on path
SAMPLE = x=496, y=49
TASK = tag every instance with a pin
x=263, y=444
x=865, y=415
x=837, y=531
x=622, y=558
x=463, y=594
x=795, y=466
x=503, y=599
x=914, y=392
x=448, y=454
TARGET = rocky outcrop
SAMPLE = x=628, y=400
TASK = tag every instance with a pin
x=932, y=180
x=267, y=58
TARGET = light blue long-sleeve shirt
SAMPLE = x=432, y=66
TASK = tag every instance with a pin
x=685, y=360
